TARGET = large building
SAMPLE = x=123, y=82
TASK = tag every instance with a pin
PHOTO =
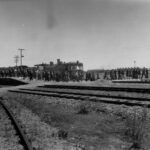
x=63, y=70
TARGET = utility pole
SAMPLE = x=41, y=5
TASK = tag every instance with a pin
x=16, y=59
x=21, y=56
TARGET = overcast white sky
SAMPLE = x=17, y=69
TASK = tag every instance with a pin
x=99, y=33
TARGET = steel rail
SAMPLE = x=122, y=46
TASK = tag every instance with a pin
x=130, y=81
x=91, y=94
x=99, y=88
x=23, y=138
x=107, y=99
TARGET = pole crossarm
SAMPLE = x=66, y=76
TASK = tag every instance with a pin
x=21, y=56
x=16, y=59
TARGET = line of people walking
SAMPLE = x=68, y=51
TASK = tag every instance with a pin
x=126, y=73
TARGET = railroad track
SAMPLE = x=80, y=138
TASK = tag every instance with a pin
x=23, y=140
x=130, y=81
x=99, y=88
x=103, y=98
x=87, y=94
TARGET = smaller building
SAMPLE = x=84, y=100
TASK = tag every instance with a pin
x=95, y=74
x=41, y=66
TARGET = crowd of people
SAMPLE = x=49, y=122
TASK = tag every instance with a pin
x=47, y=75
x=23, y=71
x=34, y=73
x=126, y=73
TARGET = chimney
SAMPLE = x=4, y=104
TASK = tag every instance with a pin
x=51, y=63
x=58, y=61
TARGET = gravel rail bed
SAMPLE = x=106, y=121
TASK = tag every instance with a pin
x=9, y=139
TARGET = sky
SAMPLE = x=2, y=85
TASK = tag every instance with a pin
x=99, y=33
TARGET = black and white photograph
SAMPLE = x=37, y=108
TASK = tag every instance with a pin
x=74, y=74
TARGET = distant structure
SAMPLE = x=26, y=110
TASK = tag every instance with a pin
x=95, y=74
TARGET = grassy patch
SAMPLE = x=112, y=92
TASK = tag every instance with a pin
x=87, y=123
x=136, y=130
x=83, y=108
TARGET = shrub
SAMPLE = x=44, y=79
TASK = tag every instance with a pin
x=62, y=134
x=136, y=128
x=83, y=109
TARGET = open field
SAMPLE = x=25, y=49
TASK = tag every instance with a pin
x=83, y=125
x=101, y=127
x=40, y=135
